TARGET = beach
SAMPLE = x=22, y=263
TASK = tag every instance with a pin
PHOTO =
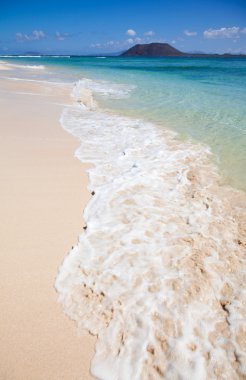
x=123, y=190
x=43, y=190
x=156, y=268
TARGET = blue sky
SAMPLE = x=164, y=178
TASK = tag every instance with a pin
x=96, y=26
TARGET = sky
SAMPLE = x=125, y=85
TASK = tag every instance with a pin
x=110, y=26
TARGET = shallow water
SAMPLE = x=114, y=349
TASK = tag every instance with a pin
x=201, y=98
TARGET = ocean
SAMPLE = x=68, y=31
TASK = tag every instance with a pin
x=158, y=272
x=202, y=99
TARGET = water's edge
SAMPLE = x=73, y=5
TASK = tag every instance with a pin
x=158, y=272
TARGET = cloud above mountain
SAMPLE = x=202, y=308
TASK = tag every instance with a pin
x=131, y=32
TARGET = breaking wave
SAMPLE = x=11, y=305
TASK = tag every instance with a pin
x=158, y=273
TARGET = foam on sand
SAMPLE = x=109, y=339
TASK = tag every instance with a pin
x=9, y=66
x=30, y=67
x=158, y=273
x=4, y=66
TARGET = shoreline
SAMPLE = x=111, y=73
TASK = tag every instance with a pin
x=162, y=235
x=198, y=261
x=43, y=192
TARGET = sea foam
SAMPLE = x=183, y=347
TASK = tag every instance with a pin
x=102, y=88
x=29, y=67
x=158, y=272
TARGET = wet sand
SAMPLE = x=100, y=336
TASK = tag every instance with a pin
x=43, y=191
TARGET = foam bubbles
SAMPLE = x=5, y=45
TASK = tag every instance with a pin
x=29, y=67
x=102, y=88
x=157, y=273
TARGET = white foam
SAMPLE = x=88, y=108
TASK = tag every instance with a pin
x=60, y=56
x=31, y=67
x=157, y=275
x=29, y=56
x=42, y=81
x=102, y=88
x=21, y=56
x=34, y=67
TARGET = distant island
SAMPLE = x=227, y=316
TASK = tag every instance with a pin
x=157, y=49
x=154, y=49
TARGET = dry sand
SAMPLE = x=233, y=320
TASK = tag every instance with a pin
x=43, y=191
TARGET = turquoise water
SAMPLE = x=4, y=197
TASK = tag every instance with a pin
x=201, y=98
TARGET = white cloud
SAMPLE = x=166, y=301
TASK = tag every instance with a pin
x=173, y=42
x=19, y=36
x=190, y=34
x=130, y=41
x=97, y=45
x=35, y=35
x=111, y=43
x=131, y=32
x=243, y=31
x=60, y=36
x=136, y=40
x=150, y=33
x=222, y=32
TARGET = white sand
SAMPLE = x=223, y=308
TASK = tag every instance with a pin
x=43, y=190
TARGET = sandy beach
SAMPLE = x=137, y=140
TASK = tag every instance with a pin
x=123, y=190
x=158, y=272
x=43, y=190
